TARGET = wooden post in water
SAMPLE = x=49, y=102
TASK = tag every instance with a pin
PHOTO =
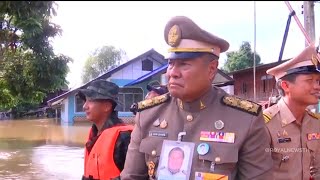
x=56, y=119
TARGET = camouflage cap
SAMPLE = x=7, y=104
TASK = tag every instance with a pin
x=99, y=90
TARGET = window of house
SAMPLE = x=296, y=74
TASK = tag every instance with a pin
x=147, y=65
x=128, y=96
x=244, y=88
x=79, y=104
x=265, y=82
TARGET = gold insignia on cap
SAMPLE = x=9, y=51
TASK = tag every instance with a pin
x=189, y=117
x=151, y=167
x=163, y=124
x=202, y=106
x=314, y=60
x=174, y=36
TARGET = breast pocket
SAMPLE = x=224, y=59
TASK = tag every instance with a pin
x=151, y=147
x=281, y=158
x=220, y=160
x=314, y=155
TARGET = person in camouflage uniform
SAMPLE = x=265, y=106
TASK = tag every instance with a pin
x=109, y=137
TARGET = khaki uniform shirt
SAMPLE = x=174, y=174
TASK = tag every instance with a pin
x=246, y=158
x=293, y=154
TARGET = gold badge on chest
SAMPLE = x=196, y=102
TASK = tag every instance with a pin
x=163, y=124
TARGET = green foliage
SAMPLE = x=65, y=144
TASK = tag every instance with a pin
x=29, y=69
x=242, y=59
x=100, y=61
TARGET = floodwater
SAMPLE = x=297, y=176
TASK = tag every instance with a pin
x=41, y=150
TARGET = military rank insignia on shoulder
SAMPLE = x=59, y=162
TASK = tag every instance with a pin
x=266, y=117
x=241, y=104
x=270, y=112
x=314, y=115
x=148, y=103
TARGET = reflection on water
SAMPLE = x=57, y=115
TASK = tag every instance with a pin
x=41, y=149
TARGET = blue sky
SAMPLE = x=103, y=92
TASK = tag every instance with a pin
x=136, y=27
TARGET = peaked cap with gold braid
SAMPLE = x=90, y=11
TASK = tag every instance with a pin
x=188, y=40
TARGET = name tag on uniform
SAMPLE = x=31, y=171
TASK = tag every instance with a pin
x=210, y=176
x=284, y=140
x=158, y=134
x=313, y=136
x=225, y=137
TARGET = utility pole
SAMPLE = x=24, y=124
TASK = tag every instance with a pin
x=309, y=24
x=254, y=51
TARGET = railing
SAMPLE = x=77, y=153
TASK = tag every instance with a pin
x=259, y=97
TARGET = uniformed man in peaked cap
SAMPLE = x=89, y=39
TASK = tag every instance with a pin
x=295, y=131
x=196, y=112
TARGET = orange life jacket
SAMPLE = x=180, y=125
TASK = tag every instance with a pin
x=99, y=163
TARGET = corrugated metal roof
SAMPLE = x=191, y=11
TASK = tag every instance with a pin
x=146, y=76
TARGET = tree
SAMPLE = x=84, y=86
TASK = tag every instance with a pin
x=29, y=69
x=242, y=59
x=100, y=61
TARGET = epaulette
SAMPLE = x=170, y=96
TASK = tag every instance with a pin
x=266, y=117
x=314, y=115
x=270, y=112
x=241, y=104
x=148, y=103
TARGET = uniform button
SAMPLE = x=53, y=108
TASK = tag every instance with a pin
x=189, y=118
x=154, y=152
x=217, y=159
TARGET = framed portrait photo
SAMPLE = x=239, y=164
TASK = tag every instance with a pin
x=175, y=160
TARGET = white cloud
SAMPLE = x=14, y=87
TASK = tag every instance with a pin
x=138, y=26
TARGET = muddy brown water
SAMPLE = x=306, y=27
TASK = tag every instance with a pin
x=41, y=150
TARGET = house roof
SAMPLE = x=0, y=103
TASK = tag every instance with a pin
x=270, y=65
x=220, y=79
x=161, y=69
x=151, y=54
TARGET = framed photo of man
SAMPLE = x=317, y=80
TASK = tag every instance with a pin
x=175, y=160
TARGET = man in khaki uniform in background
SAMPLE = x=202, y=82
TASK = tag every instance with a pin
x=294, y=130
x=233, y=129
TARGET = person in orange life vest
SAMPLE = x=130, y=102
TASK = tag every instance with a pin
x=109, y=137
